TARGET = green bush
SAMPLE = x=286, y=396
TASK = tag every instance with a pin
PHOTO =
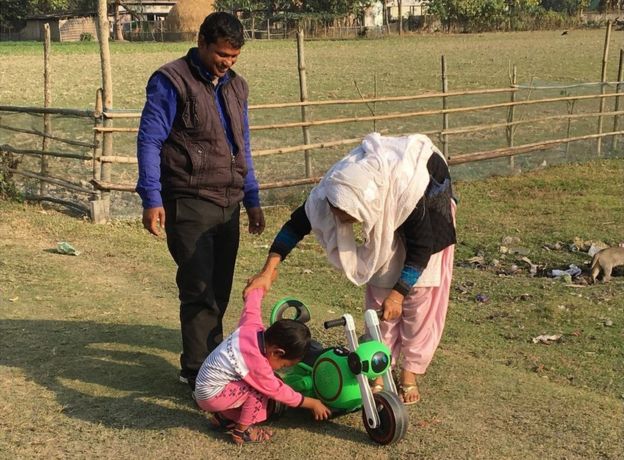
x=86, y=37
x=8, y=189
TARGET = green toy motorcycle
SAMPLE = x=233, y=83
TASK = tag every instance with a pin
x=339, y=376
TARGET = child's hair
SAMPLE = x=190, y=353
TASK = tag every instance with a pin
x=291, y=336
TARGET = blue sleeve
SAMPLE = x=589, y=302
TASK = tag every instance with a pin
x=252, y=195
x=291, y=233
x=418, y=246
x=156, y=122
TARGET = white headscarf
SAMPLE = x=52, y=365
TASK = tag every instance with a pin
x=379, y=183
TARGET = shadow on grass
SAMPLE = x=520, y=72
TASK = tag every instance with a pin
x=294, y=419
x=111, y=374
x=117, y=375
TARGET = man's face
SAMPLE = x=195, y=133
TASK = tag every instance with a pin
x=217, y=57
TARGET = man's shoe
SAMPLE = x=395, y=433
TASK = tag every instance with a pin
x=188, y=377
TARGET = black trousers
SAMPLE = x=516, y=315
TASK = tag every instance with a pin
x=203, y=240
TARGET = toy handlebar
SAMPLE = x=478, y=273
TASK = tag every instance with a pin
x=335, y=323
x=341, y=321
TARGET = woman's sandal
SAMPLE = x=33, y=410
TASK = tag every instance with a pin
x=251, y=434
x=377, y=388
x=219, y=423
x=406, y=389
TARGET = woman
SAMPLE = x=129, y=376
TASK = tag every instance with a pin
x=399, y=189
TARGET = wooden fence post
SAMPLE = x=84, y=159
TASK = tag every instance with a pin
x=303, y=96
x=511, y=114
x=102, y=211
x=570, y=105
x=47, y=101
x=603, y=86
x=97, y=138
x=618, y=88
x=375, y=102
x=445, y=119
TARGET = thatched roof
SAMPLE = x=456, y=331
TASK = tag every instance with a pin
x=188, y=15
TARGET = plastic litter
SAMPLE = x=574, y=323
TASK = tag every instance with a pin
x=63, y=247
x=571, y=272
x=547, y=339
x=482, y=298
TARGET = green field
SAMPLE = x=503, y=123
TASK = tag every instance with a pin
x=402, y=66
x=346, y=69
x=89, y=344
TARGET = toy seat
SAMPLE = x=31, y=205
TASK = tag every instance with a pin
x=315, y=350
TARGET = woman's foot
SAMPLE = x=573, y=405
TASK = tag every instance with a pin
x=408, y=388
x=377, y=385
x=251, y=434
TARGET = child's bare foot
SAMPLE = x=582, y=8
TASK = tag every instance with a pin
x=408, y=389
x=251, y=434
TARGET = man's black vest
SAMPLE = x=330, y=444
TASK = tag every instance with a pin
x=196, y=159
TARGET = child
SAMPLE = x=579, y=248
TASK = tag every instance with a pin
x=237, y=379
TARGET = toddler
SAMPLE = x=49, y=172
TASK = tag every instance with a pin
x=237, y=379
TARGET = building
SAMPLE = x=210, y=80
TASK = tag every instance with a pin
x=408, y=8
x=63, y=27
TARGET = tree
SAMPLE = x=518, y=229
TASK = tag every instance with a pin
x=13, y=11
x=571, y=7
x=117, y=30
x=469, y=14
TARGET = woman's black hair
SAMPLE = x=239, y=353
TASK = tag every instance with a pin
x=222, y=25
x=291, y=336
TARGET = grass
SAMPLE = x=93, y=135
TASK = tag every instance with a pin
x=335, y=70
x=90, y=343
x=401, y=66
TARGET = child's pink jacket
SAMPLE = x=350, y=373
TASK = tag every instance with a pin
x=241, y=357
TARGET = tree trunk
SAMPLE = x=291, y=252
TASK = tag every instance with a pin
x=117, y=30
x=400, y=17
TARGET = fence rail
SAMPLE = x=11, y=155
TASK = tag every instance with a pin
x=455, y=159
x=524, y=120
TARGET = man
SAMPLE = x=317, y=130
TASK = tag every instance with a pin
x=195, y=167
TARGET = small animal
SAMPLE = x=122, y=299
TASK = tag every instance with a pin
x=605, y=260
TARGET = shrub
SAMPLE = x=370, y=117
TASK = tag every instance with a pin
x=8, y=189
x=86, y=37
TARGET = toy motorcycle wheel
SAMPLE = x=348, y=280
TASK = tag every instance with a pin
x=393, y=419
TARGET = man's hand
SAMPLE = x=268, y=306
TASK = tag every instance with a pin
x=392, y=306
x=256, y=220
x=154, y=220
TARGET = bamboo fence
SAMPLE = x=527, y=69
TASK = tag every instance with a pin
x=101, y=152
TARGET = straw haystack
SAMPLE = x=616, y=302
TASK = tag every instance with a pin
x=187, y=15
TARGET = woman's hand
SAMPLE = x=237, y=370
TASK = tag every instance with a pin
x=392, y=306
x=262, y=280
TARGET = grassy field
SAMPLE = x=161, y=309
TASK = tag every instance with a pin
x=336, y=70
x=402, y=66
x=90, y=343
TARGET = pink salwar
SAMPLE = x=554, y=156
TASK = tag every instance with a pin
x=417, y=333
x=238, y=402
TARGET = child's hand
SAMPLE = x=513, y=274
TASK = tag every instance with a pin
x=320, y=410
x=261, y=280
